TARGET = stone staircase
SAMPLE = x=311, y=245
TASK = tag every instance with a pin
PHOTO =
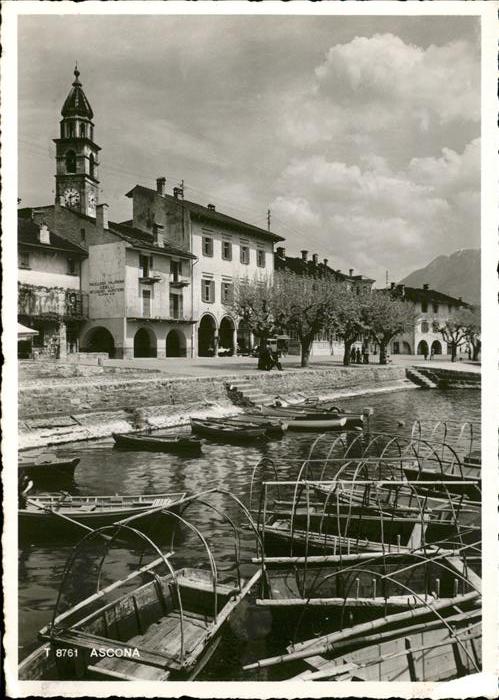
x=422, y=380
x=245, y=393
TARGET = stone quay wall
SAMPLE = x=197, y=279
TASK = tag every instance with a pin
x=76, y=394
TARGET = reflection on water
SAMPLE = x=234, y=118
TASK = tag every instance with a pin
x=106, y=470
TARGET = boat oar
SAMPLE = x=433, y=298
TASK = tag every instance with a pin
x=46, y=509
x=322, y=645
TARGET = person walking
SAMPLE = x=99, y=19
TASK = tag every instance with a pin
x=358, y=358
x=352, y=355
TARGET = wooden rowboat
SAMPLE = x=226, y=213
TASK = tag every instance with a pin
x=366, y=585
x=178, y=444
x=47, y=516
x=227, y=432
x=273, y=428
x=161, y=630
x=428, y=643
x=439, y=650
x=47, y=469
x=292, y=414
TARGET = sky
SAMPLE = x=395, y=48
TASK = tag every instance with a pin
x=361, y=134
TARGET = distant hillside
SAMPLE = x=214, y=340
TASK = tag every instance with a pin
x=457, y=274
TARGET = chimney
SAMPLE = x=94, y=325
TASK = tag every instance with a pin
x=350, y=271
x=101, y=214
x=401, y=289
x=426, y=286
x=156, y=232
x=211, y=207
x=315, y=258
x=325, y=261
x=161, y=185
x=392, y=285
x=304, y=255
x=176, y=192
x=281, y=252
x=44, y=234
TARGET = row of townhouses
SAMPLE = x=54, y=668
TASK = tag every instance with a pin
x=159, y=284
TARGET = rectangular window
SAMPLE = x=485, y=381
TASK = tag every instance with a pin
x=208, y=291
x=24, y=260
x=424, y=306
x=260, y=257
x=176, y=305
x=71, y=267
x=176, y=269
x=435, y=308
x=245, y=255
x=227, y=293
x=145, y=265
x=146, y=303
x=83, y=235
x=208, y=246
x=226, y=250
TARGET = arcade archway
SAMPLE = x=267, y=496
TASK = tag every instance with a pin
x=99, y=339
x=176, y=345
x=144, y=343
x=243, y=338
x=422, y=347
x=436, y=347
x=226, y=335
x=207, y=336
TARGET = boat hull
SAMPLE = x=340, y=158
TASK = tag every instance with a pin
x=41, y=473
x=226, y=432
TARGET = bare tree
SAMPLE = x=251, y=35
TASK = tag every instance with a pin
x=386, y=317
x=349, y=320
x=456, y=329
x=253, y=302
x=305, y=304
x=474, y=331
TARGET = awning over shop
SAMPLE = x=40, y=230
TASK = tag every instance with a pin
x=25, y=333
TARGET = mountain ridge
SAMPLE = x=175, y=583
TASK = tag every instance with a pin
x=457, y=274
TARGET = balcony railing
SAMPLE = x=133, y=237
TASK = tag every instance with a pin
x=51, y=303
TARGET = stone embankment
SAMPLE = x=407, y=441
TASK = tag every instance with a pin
x=67, y=408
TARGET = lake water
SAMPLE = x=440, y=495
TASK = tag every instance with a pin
x=106, y=470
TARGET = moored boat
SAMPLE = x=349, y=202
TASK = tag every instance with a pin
x=297, y=420
x=227, y=432
x=47, y=469
x=178, y=444
x=50, y=516
x=273, y=428
x=161, y=630
x=315, y=412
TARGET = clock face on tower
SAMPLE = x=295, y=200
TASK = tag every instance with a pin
x=71, y=197
x=92, y=201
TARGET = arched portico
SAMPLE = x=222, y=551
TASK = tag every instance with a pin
x=176, y=345
x=436, y=347
x=226, y=335
x=145, y=343
x=98, y=339
x=422, y=348
x=207, y=336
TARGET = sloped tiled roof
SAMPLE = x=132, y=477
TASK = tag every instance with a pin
x=76, y=103
x=430, y=295
x=212, y=214
x=308, y=267
x=28, y=233
x=142, y=239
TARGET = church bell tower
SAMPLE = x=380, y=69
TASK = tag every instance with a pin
x=77, y=185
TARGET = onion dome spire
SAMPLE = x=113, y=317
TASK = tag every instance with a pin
x=76, y=103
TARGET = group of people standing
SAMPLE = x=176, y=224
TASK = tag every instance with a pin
x=269, y=358
x=358, y=356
